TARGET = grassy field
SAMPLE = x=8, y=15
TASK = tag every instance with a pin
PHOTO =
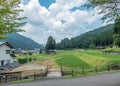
x=75, y=58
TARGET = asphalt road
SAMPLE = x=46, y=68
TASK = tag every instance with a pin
x=112, y=79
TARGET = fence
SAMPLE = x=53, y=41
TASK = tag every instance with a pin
x=34, y=74
x=11, y=76
x=21, y=75
x=87, y=71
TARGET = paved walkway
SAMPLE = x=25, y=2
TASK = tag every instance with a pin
x=112, y=79
x=54, y=74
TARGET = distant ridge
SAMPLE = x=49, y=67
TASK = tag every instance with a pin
x=102, y=36
x=19, y=41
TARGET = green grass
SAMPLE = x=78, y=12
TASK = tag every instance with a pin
x=78, y=58
x=70, y=60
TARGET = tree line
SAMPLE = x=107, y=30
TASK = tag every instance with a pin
x=102, y=36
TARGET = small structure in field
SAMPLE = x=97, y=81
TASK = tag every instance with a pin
x=51, y=52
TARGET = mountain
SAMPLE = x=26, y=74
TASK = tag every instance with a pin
x=102, y=36
x=19, y=41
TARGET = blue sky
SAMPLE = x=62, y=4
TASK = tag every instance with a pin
x=58, y=18
x=46, y=3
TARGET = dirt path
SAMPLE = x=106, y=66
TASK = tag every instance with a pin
x=54, y=74
x=53, y=70
x=51, y=64
x=37, y=66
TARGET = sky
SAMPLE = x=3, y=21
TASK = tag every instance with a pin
x=58, y=18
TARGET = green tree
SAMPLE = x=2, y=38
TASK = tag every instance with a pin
x=110, y=8
x=54, y=44
x=117, y=26
x=50, y=45
x=116, y=40
x=111, y=11
x=58, y=46
x=10, y=20
x=92, y=45
x=65, y=44
x=116, y=32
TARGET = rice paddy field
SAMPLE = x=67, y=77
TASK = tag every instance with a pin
x=74, y=58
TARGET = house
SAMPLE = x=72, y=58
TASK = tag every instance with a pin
x=6, y=56
x=37, y=50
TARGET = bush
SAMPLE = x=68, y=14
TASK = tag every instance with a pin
x=34, y=59
x=30, y=53
x=30, y=59
x=22, y=60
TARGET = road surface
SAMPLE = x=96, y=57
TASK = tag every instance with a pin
x=111, y=79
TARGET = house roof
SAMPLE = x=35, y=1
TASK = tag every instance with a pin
x=6, y=43
x=1, y=43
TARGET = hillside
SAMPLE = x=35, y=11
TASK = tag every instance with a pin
x=19, y=41
x=102, y=36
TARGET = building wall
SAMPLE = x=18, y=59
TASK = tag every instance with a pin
x=3, y=56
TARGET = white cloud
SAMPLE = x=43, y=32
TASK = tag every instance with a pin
x=43, y=22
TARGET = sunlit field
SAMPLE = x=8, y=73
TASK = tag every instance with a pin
x=76, y=58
